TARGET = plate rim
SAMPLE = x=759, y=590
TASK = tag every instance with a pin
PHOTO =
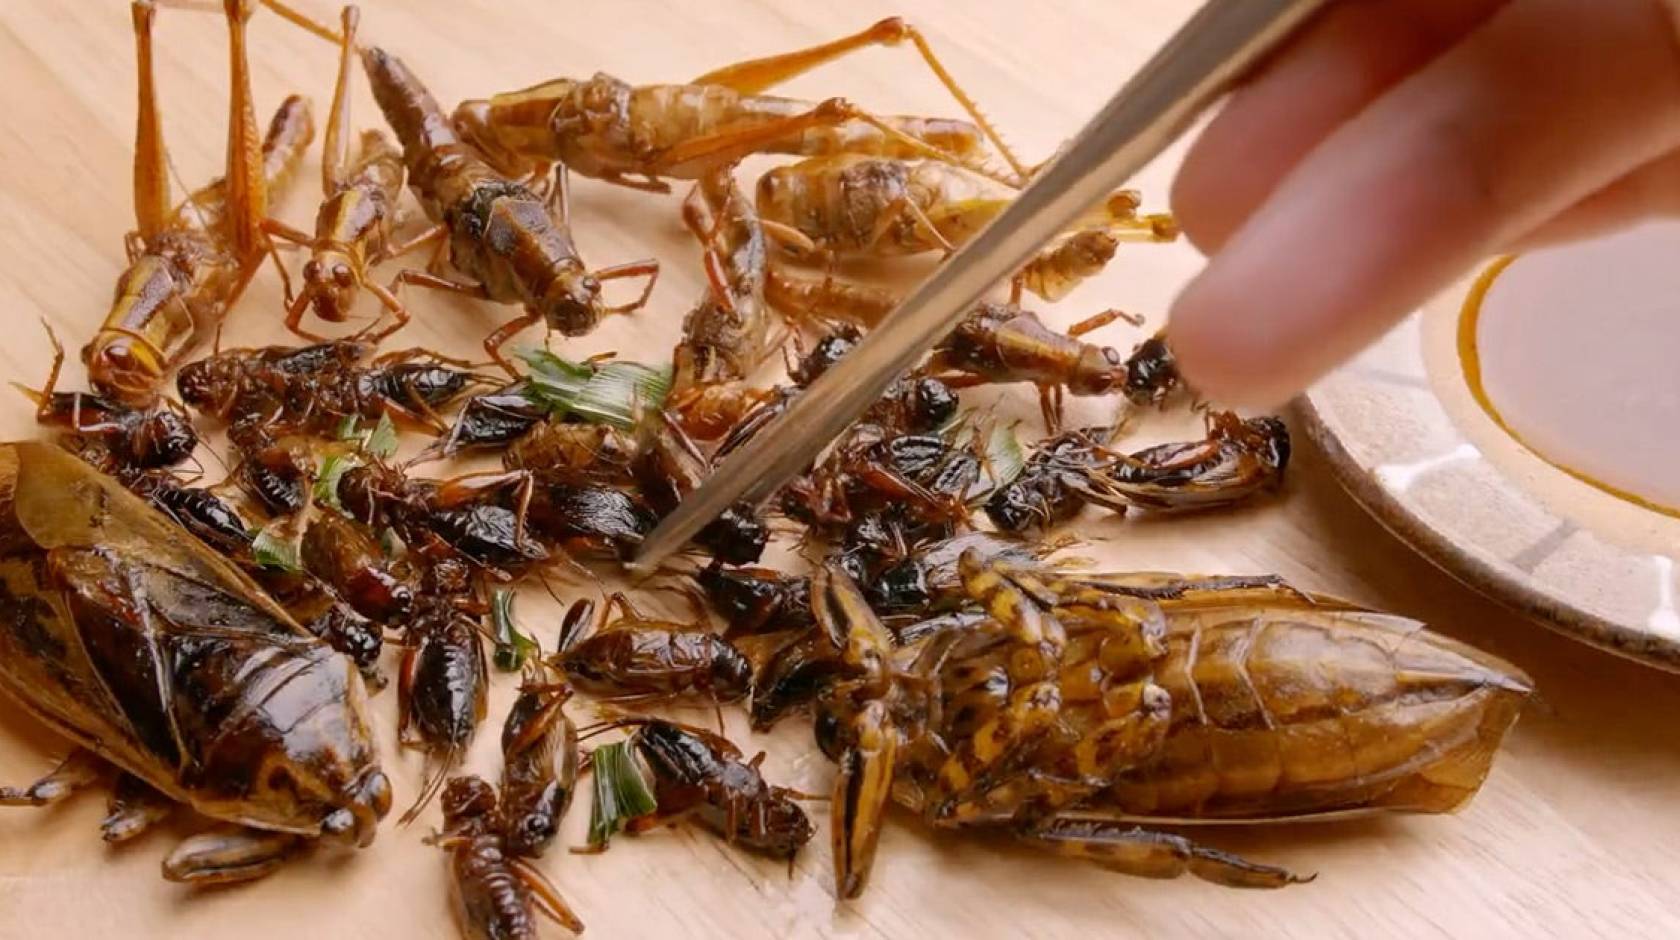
x=1549, y=611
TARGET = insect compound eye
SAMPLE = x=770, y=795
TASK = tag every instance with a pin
x=343, y=276
x=338, y=822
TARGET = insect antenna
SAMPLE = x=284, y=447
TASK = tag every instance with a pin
x=612, y=724
x=430, y=788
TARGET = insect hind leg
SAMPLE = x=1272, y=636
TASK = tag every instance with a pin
x=968, y=104
x=755, y=76
x=151, y=158
x=1137, y=851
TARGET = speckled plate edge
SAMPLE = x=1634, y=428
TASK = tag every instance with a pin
x=1405, y=439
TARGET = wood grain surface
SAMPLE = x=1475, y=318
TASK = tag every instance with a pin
x=1575, y=834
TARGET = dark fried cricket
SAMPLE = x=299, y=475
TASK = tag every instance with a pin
x=1237, y=460
x=441, y=688
x=757, y=600
x=576, y=453
x=1004, y=343
x=348, y=557
x=496, y=895
x=539, y=766
x=481, y=516
x=590, y=520
x=492, y=419
x=699, y=775
x=318, y=389
x=1055, y=484
x=640, y=659
x=260, y=725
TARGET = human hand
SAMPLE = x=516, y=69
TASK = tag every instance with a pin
x=1392, y=146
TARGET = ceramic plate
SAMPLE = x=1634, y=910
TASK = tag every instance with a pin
x=1523, y=432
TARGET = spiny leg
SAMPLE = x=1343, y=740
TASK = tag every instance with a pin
x=707, y=227
x=559, y=196
x=628, y=612
x=1050, y=408
x=476, y=291
x=968, y=104
x=1138, y=851
x=386, y=296
x=133, y=808
x=296, y=305
x=288, y=233
x=228, y=854
x=422, y=354
x=1140, y=715
x=77, y=771
x=1013, y=599
x=468, y=488
x=1188, y=590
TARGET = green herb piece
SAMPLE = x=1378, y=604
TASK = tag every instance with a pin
x=621, y=392
x=1002, y=460
x=513, y=648
x=551, y=373
x=381, y=442
x=620, y=792
x=614, y=393
x=349, y=429
x=326, y=482
x=390, y=543
x=275, y=548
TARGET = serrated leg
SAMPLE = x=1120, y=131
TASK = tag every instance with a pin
x=1137, y=851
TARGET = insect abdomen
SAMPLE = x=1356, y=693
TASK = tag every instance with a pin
x=1317, y=711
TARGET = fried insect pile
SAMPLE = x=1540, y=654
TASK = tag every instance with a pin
x=947, y=663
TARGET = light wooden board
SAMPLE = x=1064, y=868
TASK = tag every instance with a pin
x=1575, y=833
